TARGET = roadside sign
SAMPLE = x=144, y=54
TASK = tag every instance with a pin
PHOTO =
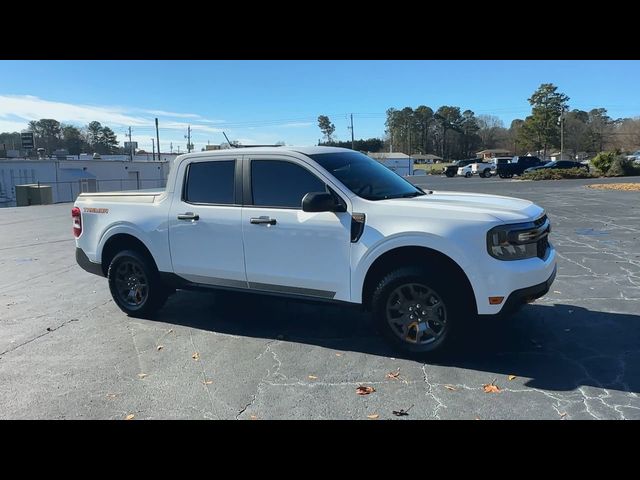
x=27, y=140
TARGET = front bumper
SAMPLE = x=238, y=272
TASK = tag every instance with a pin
x=88, y=265
x=522, y=296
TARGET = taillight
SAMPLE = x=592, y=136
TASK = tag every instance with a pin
x=77, y=221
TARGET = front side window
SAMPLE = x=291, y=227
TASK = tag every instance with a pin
x=366, y=177
x=276, y=183
x=211, y=182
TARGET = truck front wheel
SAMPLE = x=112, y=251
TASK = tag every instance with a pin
x=414, y=312
x=135, y=284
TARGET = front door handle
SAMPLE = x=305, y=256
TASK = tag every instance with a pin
x=263, y=221
x=188, y=216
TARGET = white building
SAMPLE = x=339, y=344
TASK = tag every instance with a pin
x=70, y=177
x=400, y=163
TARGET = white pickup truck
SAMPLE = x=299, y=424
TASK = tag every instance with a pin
x=321, y=223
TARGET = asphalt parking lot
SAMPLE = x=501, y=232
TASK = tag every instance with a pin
x=66, y=351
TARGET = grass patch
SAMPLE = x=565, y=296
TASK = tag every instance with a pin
x=431, y=168
x=629, y=187
x=557, y=174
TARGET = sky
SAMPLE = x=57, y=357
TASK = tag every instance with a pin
x=269, y=101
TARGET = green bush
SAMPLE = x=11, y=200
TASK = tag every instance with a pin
x=436, y=171
x=604, y=160
x=557, y=174
x=622, y=167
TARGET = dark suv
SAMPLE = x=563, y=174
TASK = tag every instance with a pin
x=517, y=166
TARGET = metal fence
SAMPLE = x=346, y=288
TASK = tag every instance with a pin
x=68, y=191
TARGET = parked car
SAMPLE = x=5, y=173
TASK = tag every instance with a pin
x=483, y=169
x=517, y=166
x=559, y=164
x=466, y=171
x=318, y=223
x=635, y=156
x=452, y=169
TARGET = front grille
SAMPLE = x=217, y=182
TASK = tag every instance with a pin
x=543, y=246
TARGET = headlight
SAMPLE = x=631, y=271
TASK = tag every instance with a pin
x=519, y=241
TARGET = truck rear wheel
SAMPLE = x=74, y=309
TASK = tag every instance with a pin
x=416, y=313
x=450, y=174
x=135, y=284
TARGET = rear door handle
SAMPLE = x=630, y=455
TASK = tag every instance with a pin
x=263, y=221
x=188, y=216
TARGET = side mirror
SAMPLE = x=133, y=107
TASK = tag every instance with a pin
x=321, y=202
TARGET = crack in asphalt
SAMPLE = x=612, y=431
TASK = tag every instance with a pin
x=47, y=332
x=51, y=330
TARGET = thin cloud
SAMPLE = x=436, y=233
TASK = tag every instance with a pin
x=28, y=107
x=298, y=124
x=164, y=113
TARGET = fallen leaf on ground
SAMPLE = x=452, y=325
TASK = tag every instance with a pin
x=512, y=377
x=159, y=347
x=195, y=356
x=394, y=375
x=142, y=375
x=364, y=390
x=491, y=387
x=338, y=354
x=373, y=416
x=562, y=415
x=477, y=418
x=131, y=416
x=402, y=412
x=556, y=291
x=253, y=417
x=170, y=330
x=312, y=377
x=450, y=387
x=112, y=395
x=207, y=382
x=616, y=186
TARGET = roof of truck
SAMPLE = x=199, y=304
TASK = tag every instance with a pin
x=264, y=150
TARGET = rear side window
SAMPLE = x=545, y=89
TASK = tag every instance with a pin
x=211, y=182
x=276, y=183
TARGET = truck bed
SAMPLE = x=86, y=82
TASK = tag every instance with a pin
x=138, y=196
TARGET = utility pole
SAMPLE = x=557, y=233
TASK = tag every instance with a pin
x=171, y=147
x=158, y=138
x=153, y=146
x=562, y=134
x=188, y=137
x=130, y=146
x=352, y=140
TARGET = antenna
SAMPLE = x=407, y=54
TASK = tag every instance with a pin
x=228, y=141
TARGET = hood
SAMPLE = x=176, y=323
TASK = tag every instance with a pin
x=506, y=209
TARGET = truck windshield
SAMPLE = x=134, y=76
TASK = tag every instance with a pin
x=365, y=177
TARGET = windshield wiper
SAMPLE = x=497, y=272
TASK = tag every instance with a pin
x=412, y=194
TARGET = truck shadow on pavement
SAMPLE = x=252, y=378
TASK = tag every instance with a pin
x=559, y=347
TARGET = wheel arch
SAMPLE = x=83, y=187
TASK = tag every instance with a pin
x=415, y=255
x=123, y=241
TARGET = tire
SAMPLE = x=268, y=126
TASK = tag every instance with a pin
x=135, y=284
x=502, y=175
x=420, y=338
x=486, y=173
x=450, y=174
x=468, y=175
